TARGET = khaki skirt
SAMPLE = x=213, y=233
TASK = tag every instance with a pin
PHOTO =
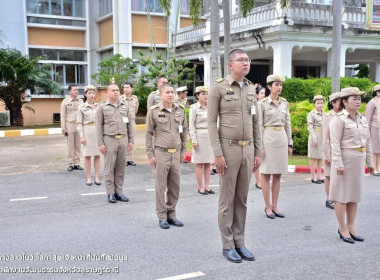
x=91, y=148
x=327, y=169
x=375, y=139
x=348, y=187
x=315, y=152
x=275, y=145
x=204, y=153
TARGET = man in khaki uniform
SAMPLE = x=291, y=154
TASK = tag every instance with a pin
x=154, y=97
x=69, y=108
x=166, y=127
x=115, y=135
x=181, y=96
x=237, y=150
x=133, y=104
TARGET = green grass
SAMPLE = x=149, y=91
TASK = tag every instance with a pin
x=298, y=160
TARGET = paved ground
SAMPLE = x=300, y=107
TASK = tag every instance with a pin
x=66, y=228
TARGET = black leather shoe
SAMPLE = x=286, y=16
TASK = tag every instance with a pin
x=270, y=216
x=78, y=167
x=245, y=254
x=257, y=186
x=204, y=192
x=89, y=183
x=164, y=224
x=98, y=183
x=330, y=204
x=345, y=239
x=356, y=237
x=70, y=168
x=175, y=222
x=131, y=163
x=316, y=181
x=212, y=172
x=111, y=198
x=210, y=191
x=231, y=255
x=278, y=214
x=121, y=197
x=321, y=181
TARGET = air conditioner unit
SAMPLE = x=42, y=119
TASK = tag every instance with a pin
x=5, y=119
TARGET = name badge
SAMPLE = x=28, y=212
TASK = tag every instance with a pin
x=180, y=128
x=125, y=120
x=253, y=110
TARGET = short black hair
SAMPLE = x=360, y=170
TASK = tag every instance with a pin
x=232, y=53
x=330, y=106
x=267, y=90
x=128, y=83
x=374, y=93
x=71, y=86
x=161, y=88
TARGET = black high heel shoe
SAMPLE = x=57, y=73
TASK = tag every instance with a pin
x=270, y=216
x=345, y=239
x=356, y=237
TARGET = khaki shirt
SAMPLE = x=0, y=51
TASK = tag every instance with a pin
x=346, y=132
x=182, y=102
x=197, y=120
x=112, y=120
x=162, y=128
x=372, y=113
x=326, y=134
x=275, y=115
x=314, y=122
x=153, y=99
x=132, y=103
x=233, y=105
x=85, y=116
x=69, y=108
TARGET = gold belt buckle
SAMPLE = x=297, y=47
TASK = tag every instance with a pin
x=362, y=149
x=118, y=136
x=277, y=128
x=243, y=143
x=172, y=151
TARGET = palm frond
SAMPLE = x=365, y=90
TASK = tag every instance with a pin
x=195, y=11
x=285, y=3
x=246, y=6
x=166, y=6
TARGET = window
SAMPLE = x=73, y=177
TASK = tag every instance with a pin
x=71, y=8
x=57, y=21
x=106, y=54
x=105, y=7
x=66, y=74
x=307, y=71
x=153, y=6
x=64, y=55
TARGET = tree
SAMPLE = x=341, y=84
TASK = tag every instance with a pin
x=363, y=71
x=17, y=74
x=116, y=69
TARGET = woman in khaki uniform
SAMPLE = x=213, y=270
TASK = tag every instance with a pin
x=277, y=142
x=372, y=114
x=203, y=155
x=314, y=148
x=335, y=107
x=351, y=147
x=87, y=131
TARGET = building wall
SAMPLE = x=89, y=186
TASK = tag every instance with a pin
x=106, y=33
x=140, y=29
x=56, y=37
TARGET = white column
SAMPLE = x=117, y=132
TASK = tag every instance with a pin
x=329, y=63
x=342, y=71
x=282, y=58
x=207, y=70
x=377, y=69
x=122, y=27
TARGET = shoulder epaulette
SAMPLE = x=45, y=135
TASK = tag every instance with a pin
x=219, y=80
x=328, y=113
x=182, y=106
x=340, y=113
x=283, y=99
x=264, y=99
x=154, y=107
x=104, y=101
x=134, y=96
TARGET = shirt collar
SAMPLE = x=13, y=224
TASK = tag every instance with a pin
x=230, y=80
x=108, y=102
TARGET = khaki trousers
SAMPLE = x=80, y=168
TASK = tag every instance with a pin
x=167, y=180
x=114, y=163
x=73, y=144
x=129, y=155
x=234, y=185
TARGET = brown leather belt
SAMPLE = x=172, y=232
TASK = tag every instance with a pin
x=361, y=149
x=236, y=142
x=274, y=127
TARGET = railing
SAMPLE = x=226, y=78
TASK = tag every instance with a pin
x=298, y=14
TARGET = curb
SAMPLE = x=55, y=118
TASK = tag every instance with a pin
x=42, y=131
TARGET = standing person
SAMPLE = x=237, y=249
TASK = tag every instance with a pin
x=181, y=96
x=277, y=143
x=335, y=107
x=115, y=135
x=166, y=127
x=202, y=151
x=372, y=114
x=237, y=150
x=260, y=91
x=69, y=108
x=314, y=148
x=87, y=132
x=133, y=104
x=351, y=147
x=154, y=96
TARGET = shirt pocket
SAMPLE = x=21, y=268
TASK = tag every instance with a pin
x=250, y=102
x=162, y=124
x=231, y=102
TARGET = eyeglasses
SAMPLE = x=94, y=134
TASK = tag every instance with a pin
x=242, y=60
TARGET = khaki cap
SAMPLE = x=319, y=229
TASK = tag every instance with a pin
x=376, y=88
x=351, y=91
x=334, y=96
x=275, y=78
x=181, y=89
x=201, y=88
x=89, y=87
x=318, y=97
